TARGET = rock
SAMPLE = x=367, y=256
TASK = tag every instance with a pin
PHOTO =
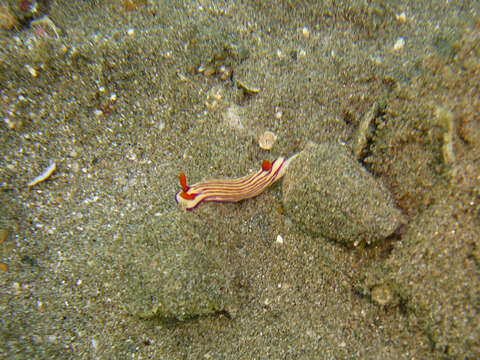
x=328, y=193
x=170, y=269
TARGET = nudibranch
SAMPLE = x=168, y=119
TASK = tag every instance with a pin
x=232, y=190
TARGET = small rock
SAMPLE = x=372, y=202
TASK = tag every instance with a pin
x=31, y=70
x=170, y=270
x=382, y=294
x=233, y=118
x=399, y=44
x=328, y=193
x=279, y=239
x=267, y=140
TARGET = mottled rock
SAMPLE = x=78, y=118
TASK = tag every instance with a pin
x=171, y=271
x=328, y=193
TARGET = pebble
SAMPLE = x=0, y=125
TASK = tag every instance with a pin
x=382, y=294
x=31, y=70
x=399, y=44
x=279, y=239
x=75, y=167
x=305, y=32
x=402, y=17
x=327, y=192
x=233, y=118
x=267, y=140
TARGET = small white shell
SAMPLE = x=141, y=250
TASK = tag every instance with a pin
x=44, y=175
x=279, y=239
x=267, y=140
x=31, y=70
x=399, y=44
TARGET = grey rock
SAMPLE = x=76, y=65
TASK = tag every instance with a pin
x=328, y=193
x=170, y=269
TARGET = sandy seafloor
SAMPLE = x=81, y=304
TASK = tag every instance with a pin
x=99, y=262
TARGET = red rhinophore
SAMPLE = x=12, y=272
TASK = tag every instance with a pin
x=183, y=182
x=266, y=165
x=183, y=194
x=186, y=196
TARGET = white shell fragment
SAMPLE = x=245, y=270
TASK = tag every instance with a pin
x=402, y=17
x=399, y=44
x=305, y=32
x=279, y=239
x=44, y=175
x=31, y=70
x=267, y=140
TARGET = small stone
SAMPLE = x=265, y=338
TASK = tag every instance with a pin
x=52, y=339
x=75, y=167
x=267, y=140
x=11, y=124
x=402, y=17
x=233, y=118
x=382, y=295
x=399, y=44
x=17, y=288
x=31, y=70
x=305, y=32
x=279, y=239
x=328, y=193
